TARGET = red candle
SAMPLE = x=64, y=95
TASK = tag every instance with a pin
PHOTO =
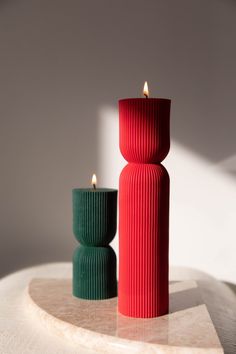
x=144, y=207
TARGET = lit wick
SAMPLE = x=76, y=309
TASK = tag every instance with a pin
x=145, y=90
x=94, y=181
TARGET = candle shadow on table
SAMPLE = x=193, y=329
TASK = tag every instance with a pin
x=232, y=286
x=185, y=299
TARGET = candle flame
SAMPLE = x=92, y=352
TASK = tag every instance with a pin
x=145, y=89
x=94, y=181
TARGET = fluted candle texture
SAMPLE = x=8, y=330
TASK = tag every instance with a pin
x=144, y=208
x=94, y=226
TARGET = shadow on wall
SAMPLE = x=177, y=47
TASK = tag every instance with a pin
x=61, y=61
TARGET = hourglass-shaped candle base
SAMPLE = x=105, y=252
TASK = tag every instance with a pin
x=94, y=273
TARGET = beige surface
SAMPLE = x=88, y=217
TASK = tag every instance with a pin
x=21, y=333
x=97, y=324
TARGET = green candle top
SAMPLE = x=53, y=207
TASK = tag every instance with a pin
x=92, y=190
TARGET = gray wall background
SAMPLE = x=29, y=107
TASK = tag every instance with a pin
x=60, y=61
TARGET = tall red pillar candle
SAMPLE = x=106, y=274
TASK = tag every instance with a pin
x=144, y=208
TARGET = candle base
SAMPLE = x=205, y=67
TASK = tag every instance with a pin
x=94, y=273
x=143, y=227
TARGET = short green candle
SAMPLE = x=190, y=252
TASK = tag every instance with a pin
x=94, y=226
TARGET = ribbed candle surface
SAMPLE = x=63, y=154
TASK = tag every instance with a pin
x=94, y=226
x=144, y=129
x=94, y=216
x=94, y=273
x=144, y=208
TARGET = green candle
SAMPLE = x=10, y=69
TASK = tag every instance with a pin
x=94, y=226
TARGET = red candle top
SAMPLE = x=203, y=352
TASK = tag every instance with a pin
x=144, y=129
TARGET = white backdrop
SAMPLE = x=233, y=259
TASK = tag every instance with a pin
x=202, y=205
x=63, y=66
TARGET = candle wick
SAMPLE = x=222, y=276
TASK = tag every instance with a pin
x=146, y=95
x=94, y=186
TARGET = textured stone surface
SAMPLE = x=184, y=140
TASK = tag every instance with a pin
x=21, y=330
x=97, y=324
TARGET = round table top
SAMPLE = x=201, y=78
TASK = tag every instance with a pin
x=21, y=333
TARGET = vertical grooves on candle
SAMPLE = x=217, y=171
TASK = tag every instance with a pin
x=94, y=271
x=143, y=240
x=94, y=226
x=151, y=141
x=144, y=208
